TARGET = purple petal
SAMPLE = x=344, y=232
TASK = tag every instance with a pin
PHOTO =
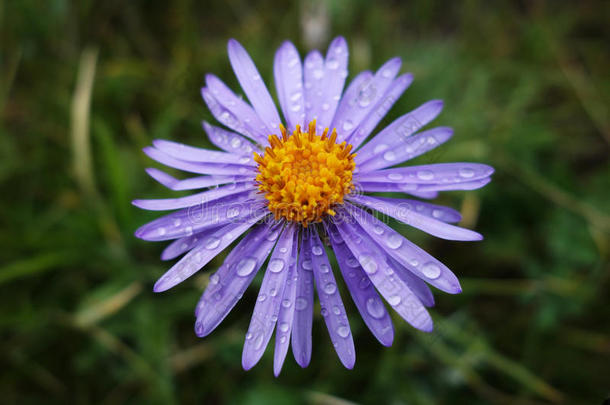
x=164, y=204
x=184, y=244
x=303, y=305
x=201, y=168
x=439, y=173
x=406, y=253
x=269, y=299
x=356, y=104
x=203, y=253
x=333, y=310
x=403, y=149
x=238, y=107
x=395, y=291
x=335, y=73
x=439, y=212
x=286, y=316
x=197, y=218
x=407, y=215
x=229, y=141
x=416, y=284
x=382, y=107
x=313, y=78
x=192, y=183
x=192, y=154
x=467, y=185
x=227, y=117
x=228, y=284
x=288, y=73
x=401, y=128
x=254, y=87
x=363, y=293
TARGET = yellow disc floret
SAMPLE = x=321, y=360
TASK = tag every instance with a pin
x=303, y=175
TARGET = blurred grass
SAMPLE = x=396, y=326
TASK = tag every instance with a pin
x=526, y=88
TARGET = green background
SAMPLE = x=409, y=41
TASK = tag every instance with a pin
x=526, y=87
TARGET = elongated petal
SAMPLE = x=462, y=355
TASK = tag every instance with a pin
x=406, y=148
x=228, y=284
x=197, y=218
x=402, y=127
x=192, y=183
x=286, y=316
x=164, y=204
x=269, y=300
x=201, y=168
x=238, y=107
x=303, y=305
x=467, y=185
x=203, y=253
x=356, y=104
x=403, y=207
x=227, y=117
x=363, y=293
x=186, y=243
x=395, y=291
x=440, y=173
x=393, y=93
x=288, y=72
x=252, y=84
x=409, y=216
x=313, y=79
x=192, y=154
x=335, y=73
x=416, y=284
x=229, y=141
x=415, y=259
x=332, y=310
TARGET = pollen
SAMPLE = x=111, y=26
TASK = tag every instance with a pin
x=305, y=175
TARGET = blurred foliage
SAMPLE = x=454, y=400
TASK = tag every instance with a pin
x=526, y=88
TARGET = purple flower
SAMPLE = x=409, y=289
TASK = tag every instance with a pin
x=301, y=188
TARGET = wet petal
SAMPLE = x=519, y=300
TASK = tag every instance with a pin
x=193, y=154
x=286, y=316
x=393, y=289
x=415, y=259
x=303, y=305
x=335, y=73
x=407, y=215
x=269, y=300
x=403, y=149
x=393, y=93
x=229, y=141
x=440, y=173
x=203, y=253
x=332, y=310
x=201, y=168
x=358, y=102
x=228, y=284
x=404, y=206
x=253, y=85
x=363, y=293
x=194, y=182
x=288, y=72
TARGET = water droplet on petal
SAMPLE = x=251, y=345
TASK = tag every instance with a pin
x=245, y=266
x=300, y=303
x=316, y=250
x=395, y=176
x=390, y=156
x=235, y=142
x=284, y=327
x=347, y=125
x=425, y=175
x=375, y=308
x=431, y=270
x=212, y=243
x=394, y=241
x=466, y=172
x=368, y=263
x=306, y=264
x=232, y=212
x=330, y=288
x=394, y=300
x=343, y=331
x=276, y=265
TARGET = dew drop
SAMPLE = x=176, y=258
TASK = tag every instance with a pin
x=245, y=266
x=161, y=231
x=437, y=213
x=394, y=241
x=343, y=331
x=336, y=310
x=380, y=148
x=364, y=283
x=232, y=212
x=235, y=142
x=390, y=156
x=395, y=176
x=352, y=262
x=262, y=297
x=286, y=303
x=368, y=263
x=324, y=268
x=387, y=73
x=212, y=243
x=466, y=172
x=306, y=264
x=276, y=265
x=378, y=229
x=375, y=308
x=332, y=63
x=394, y=300
x=425, y=175
x=284, y=327
x=431, y=270
x=347, y=125
x=317, y=250
x=177, y=222
x=300, y=303
x=318, y=73
x=330, y=288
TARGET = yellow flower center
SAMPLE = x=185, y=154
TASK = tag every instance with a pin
x=303, y=175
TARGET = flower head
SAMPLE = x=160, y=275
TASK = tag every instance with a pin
x=290, y=185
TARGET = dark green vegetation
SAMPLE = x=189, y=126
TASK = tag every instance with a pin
x=526, y=88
